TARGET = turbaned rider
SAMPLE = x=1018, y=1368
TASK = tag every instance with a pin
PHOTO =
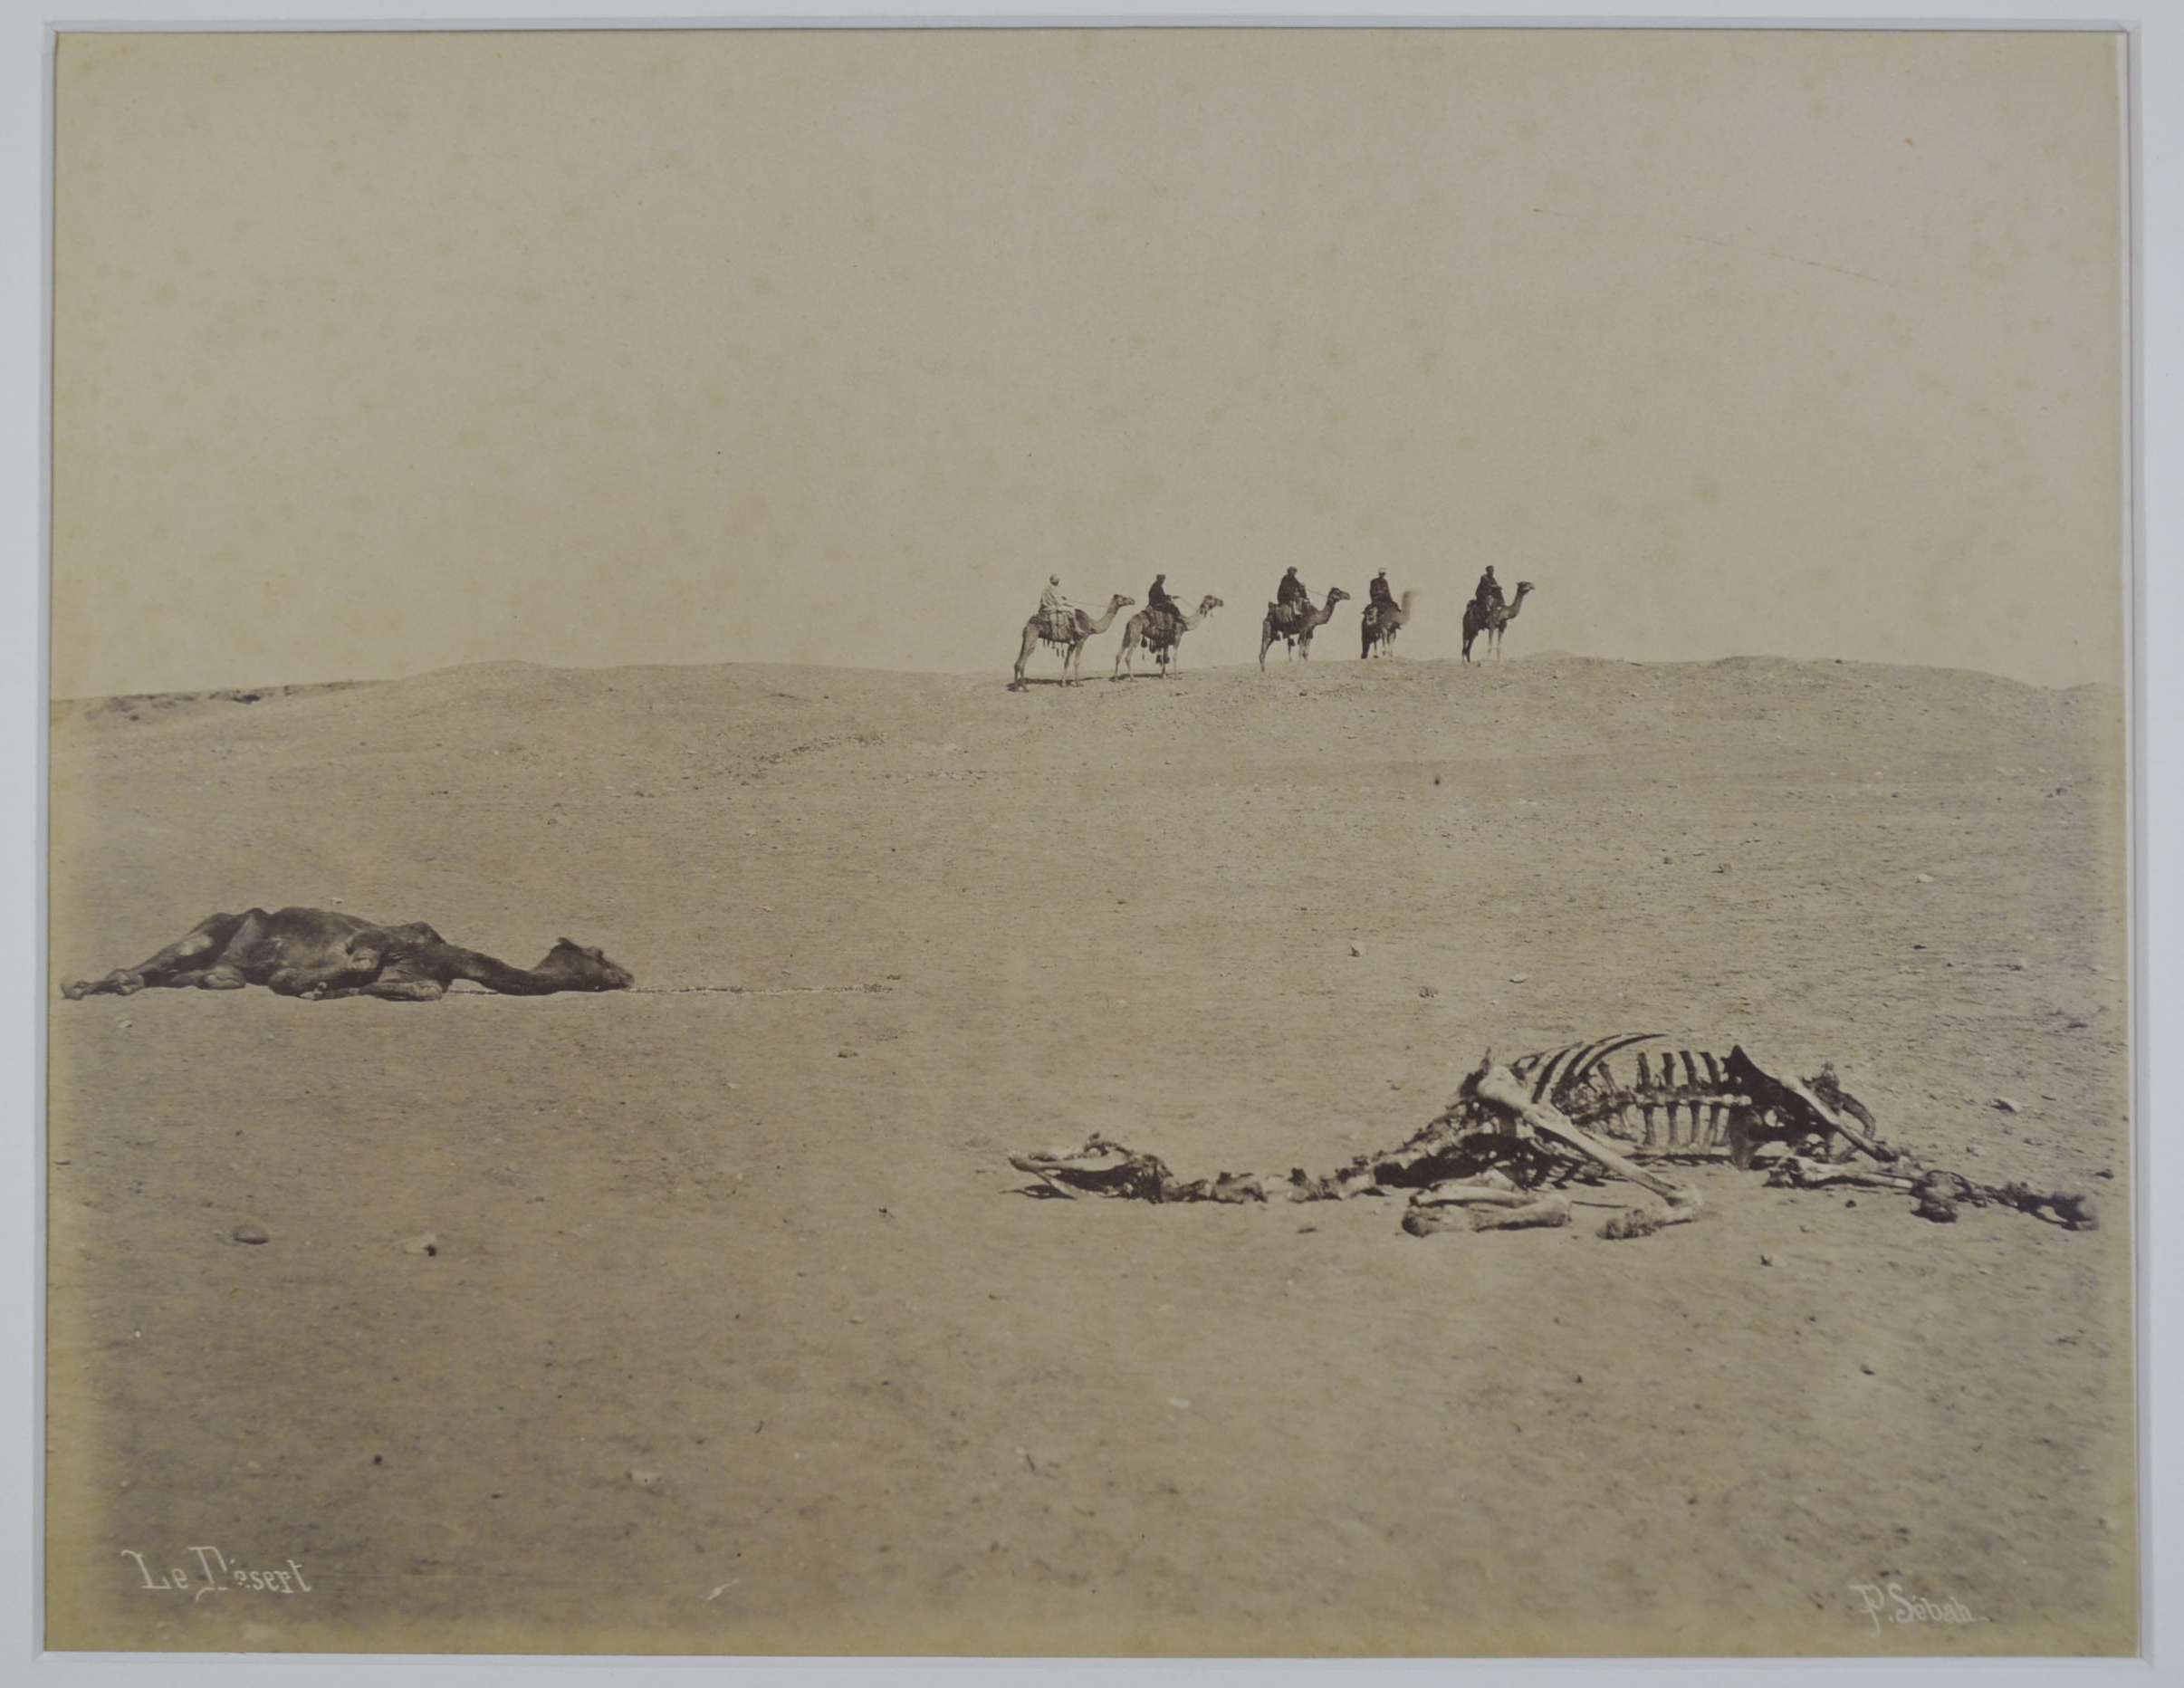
x=1058, y=615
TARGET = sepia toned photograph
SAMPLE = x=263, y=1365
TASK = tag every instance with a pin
x=1097, y=842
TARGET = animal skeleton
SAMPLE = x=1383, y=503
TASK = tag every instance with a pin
x=1489, y=1159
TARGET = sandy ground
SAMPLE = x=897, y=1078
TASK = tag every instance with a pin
x=738, y=1333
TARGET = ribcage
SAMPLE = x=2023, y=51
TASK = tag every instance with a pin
x=1673, y=1101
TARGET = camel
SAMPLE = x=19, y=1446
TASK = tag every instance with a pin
x=1072, y=648
x=1296, y=630
x=1381, y=625
x=320, y=954
x=1477, y=620
x=1158, y=633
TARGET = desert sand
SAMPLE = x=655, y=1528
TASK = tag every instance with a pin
x=712, y=1317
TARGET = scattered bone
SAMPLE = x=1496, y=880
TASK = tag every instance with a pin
x=1635, y=1222
x=1100, y=1168
x=1425, y=1221
x=1519, y=1212
x=1938, y=1193
x=1547, y=1213
x=1795, y=1171
x=1238, y=1187
x=1458, y=1192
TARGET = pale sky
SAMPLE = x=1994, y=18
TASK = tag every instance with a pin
x=377, y=353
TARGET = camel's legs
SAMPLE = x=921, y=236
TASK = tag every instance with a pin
x=304, y=980
x=204, y=941
x=222, y=978
x=207, y=939
x=120, y=982
x=392, y=990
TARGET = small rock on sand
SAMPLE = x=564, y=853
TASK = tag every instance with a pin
x=248, y=1232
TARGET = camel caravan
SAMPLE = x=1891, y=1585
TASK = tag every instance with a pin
x=1291, y=619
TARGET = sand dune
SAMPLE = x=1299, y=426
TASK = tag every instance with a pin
x=737, y=1335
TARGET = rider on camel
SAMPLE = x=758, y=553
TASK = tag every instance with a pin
x=1384, y=595
x=1158, y=602
x=1055, y=610
x=1488, y=596
x=1292, y=598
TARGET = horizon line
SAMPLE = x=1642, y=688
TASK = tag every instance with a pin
x=55, y=700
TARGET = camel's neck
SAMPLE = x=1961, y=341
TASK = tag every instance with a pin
x=498, y=975
x=1100, y=626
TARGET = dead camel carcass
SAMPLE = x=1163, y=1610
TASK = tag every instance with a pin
x=1514, y=1134
x=322, y=954
x=1487, y=1156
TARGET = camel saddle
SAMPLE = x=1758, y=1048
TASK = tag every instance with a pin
x=1057, y=626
